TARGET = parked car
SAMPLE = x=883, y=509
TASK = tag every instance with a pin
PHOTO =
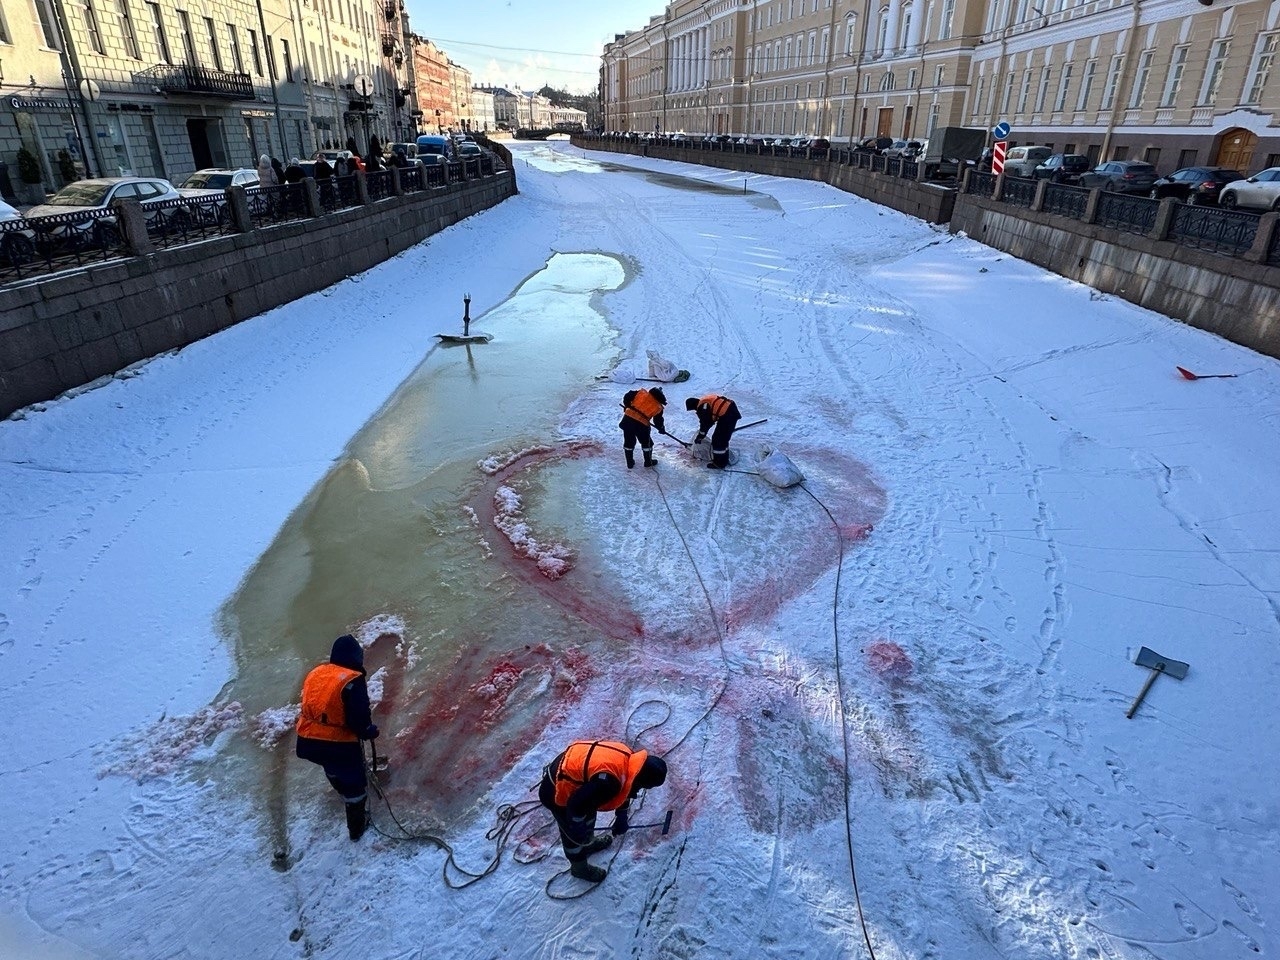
x=915, y=149
x=435, y=150
x=1063, y=168
x=873, y=144
x=16, y=246
x=818, y=146
x=210, y=187
x=1121, y=176
x=468, y=149
x=900, y=147
x=89, y=196
x=1022, y=161
x=1260, y=192
x=1195, y=184
x=331, y=156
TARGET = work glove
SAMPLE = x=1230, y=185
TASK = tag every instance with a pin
x=619, y=824
x=370, y=732
x=699, y=438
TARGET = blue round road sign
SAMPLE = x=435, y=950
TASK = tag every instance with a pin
x=1001, y=130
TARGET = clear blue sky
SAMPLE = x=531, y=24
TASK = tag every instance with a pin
x=529, y=42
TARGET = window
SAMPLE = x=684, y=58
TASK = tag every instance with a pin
x=1140, y=81
x=288, y=62
x=157, y=27
x=850, y=34
x=48, y=25
x=91, y=25
x=977, y=97
x=1064, y=87
x=1119, y=153
x=1263, y=58
x=1187, y=158
x=4, y=30
x=1151, y=155
x=887, y=82
x=126, y=29
x=1113, y=83
x=1214, y=70
x=948, y=14
x=188, y=41
x=1043, y=92
x=237, y=59
x=213, y=42
x=1173, y=82
x=938, y=75
x=1086, y=86
x=1025, y=92
x=257, y=57
x=1005, y=100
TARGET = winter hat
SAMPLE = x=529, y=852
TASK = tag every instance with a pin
x=657, y=394
x=652, y=774
x=691, y=403
x=348, y=653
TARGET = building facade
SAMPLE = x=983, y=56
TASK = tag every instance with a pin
x=166, y=87
x=1175, y=82
x=433, y=86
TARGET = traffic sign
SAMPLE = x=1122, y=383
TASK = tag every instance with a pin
x=997, y=156
x=1001, y=130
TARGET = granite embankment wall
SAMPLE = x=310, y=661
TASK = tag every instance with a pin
x=66, y=330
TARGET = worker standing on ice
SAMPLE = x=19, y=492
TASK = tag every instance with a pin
x=335, y=717
x=641, y=406
x=723, y=413
x=590, y=776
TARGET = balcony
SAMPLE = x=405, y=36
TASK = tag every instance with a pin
x=389, y=44
x=391, y=10
x=198, y=81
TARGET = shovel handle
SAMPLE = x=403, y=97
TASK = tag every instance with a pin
x=1143, y=693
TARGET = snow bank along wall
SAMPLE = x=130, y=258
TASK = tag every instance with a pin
x=1237, y=298
x=67, y=330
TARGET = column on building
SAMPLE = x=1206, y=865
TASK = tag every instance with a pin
x=915, y=29
x=891, y=35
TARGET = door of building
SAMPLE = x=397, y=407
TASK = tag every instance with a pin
x=198, y=134
x=884, y=123
x=1235, y=150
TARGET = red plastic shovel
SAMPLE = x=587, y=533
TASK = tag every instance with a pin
x=1187, y=374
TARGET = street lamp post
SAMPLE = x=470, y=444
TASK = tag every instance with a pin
x=271, y=75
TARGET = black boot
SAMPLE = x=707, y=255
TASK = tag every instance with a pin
x=598, y=844
x=631, y=458
x=589, y=872
x=648, y=457
x=357, y=819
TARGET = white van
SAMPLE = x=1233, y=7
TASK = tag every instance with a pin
x=1022, y=161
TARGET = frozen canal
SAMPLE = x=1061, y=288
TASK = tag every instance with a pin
x=892, y=699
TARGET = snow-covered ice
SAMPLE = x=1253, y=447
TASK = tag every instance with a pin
x=894, y=696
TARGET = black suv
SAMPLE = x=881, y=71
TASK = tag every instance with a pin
x=1195, y=184
x=1063, y=168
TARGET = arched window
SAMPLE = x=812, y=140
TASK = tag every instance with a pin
x=886, y=82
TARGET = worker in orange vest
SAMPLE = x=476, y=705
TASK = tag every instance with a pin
x=639, y=408
x=723, y=413
x=590, y=776
x=334, y=718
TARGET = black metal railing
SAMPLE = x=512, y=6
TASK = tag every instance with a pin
x=1273, y=248
x=1065, y=201
x=910, y=169
x=982, y=184
x=436, y=175
x=378, y=184
x=277, y=203
x=338, y=193
x=172, y=223
x=1018, y=192
x=1207, y=228
x=185, y=78
x=1130, y=214
x=58, y=242
x=411, y=178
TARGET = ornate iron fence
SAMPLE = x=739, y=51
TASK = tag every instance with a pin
x=893, y=166
x=437, y=176
x=338, y=193
x=1127, y=213
x=59, y=242
x=982, y=184
x=171, y=223
x=1065, y=201
x=378, y=184
x=276, y=203
x=1018, y=192
x=911, y=169
x=1209, y=228
x=411, y=178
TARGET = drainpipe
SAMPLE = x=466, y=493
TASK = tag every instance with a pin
x=72, y=74
x=1120, y=87
x=826, y=77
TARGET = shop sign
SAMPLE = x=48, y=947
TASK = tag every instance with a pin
x=28, y=103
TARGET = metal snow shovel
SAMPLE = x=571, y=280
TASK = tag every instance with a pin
x=753, y=423
x=1157, y=665
x=1188, y=375
x=665, y=824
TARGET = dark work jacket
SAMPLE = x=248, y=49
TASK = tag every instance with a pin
x=355, y=705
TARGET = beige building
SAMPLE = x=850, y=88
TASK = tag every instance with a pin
x=166, y=87
x=1174, y=82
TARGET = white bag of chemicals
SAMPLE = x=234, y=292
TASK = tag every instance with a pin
x=778, y=469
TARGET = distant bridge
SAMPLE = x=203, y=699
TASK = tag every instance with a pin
x=536, y=134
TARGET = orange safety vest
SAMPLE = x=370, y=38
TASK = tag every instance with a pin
x=322, y=716
x=716, y=405
x=643, y=406
x=585, y=759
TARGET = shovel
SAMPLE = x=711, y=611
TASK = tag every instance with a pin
x=379, y=764
x=1157, y=665
x=664, y=823
x=753, y=423
x=1188, y=375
